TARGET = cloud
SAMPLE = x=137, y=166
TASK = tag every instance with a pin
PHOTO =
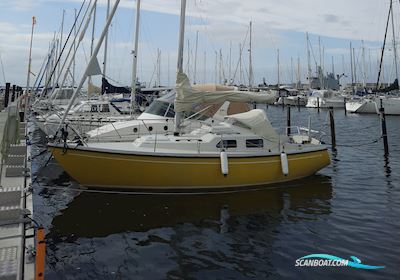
x=331, y=18
x=219, y=22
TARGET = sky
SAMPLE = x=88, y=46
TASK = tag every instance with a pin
x=222, y=25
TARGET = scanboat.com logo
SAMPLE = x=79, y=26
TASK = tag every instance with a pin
x=330, y=260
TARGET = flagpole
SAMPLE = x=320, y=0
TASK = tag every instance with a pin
x=29, y=67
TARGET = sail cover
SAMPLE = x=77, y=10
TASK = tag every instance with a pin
x=187, y=97
x=257, y=121
x=106, y=87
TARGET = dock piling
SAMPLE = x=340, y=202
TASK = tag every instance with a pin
x=298, y=102
x=288, y=120
x=318, y=104
x=6, y=95
x=384, y=130
x=14, y=87
x=332, y=124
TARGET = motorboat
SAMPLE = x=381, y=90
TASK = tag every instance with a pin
x=325, y=99
x=361, y=105
x=371, y=105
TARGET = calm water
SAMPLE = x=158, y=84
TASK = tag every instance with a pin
x=351, y=208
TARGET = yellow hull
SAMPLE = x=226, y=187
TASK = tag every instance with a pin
x=101, y=169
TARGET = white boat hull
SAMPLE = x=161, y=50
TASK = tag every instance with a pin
x=325, y=102
x=391, y=105
x=361, y=106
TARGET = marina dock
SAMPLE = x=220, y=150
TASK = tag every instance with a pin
x=199, y=140
x=17, y=250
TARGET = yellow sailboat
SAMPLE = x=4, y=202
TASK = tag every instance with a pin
x=241, y=150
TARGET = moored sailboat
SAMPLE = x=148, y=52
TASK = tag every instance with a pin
x=243, y=150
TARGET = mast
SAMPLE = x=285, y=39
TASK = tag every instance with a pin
x=394, y=42
x=159, y=67
x=308, y=60
x=352, y=69
x=48, y=63
x=74, y=65
x=28, y=78
x=369, y=64
x=298, y=73
x=320, y=70
x=291, y=71
x=320, y=51
x=216, y=67
x=364, y=66
x=53, y=60
x=240, y=65
x=205, y=68
x=195, y=58
x=251, y=78
x=221, y=68
x=188, y=59
x=106, y=43
x=383, y=47
x=61, y=40
x=230, y=63
x=178, y=115
x=91, y=62
x=91, y=44
x=279, y=74
x=135, y=55
x=333, y=67
x=80, y=38
x=355, y=68
x=168, y=70
x=343, y=69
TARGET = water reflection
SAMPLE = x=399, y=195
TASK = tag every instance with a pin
x=98, y=215
x=386, y=166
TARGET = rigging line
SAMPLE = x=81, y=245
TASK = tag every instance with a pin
x=66, y=41
x=150, y=192
x=49, y=57
x=150, y=42
x=241, y=54
x=39, y=73
x=210, y=37
x=383, y=47
x=84, y=53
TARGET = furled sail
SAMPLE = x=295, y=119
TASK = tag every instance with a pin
x=187, y=96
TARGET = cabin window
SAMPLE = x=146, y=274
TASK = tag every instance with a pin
x=254, y=143
x=158, y=108
x=170, y=112
x=105, y=108
x=227, y=144
x=93, y=108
